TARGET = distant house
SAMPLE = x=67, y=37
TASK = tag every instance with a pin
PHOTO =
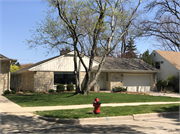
x=167, y=62
x=134, y=74
x=5, y=72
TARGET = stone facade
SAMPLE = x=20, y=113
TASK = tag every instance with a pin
x=43, y=81
x=5, y=76
x=116, y=80
x=82, y=77
x=23, y=81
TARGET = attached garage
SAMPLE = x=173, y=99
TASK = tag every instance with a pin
x=137, y=83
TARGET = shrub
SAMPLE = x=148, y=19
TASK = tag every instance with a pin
x=70, y=87
x=7, y=92
x=174, y=82
x=29, y=91
x=60, y=88
x=13, y=92
x=120, y=89
x=51, y=90
x=162, y=83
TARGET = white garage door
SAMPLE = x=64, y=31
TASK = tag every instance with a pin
x=137, y=83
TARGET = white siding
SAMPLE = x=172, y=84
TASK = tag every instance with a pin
x=166, y=68
x=137, y=83
x=64, y=63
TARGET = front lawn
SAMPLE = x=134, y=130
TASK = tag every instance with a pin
x=67, y=98
x=109, y=111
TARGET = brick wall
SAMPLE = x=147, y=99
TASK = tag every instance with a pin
x=23, y=81
x=116, y=80
x=82, y=77
x=43, y=81
x=4, y=79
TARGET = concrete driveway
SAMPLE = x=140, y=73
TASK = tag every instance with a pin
x=164, y=94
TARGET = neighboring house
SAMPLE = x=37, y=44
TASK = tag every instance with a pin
x=167, y=62
x=134, y=74
x=5, y=72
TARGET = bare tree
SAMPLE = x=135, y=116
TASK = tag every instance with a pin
x=165, y=25
x=95, y=23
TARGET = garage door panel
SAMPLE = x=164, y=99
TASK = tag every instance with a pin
x=137, y=83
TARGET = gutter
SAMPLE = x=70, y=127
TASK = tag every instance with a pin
x=126, y=71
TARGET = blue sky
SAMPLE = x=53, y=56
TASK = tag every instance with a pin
x=17, y=17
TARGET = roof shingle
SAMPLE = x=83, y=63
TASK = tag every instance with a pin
x=125, y=64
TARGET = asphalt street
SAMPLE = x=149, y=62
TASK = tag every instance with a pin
x=30, y=123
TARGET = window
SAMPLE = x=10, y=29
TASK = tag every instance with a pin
x=64, y=78
x=157, y=65
x=154, y=54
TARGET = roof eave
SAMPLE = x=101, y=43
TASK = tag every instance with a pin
x=13, y=60
x=127, y=71
x=20, y=71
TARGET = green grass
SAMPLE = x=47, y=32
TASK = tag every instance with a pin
x=109, y=111
x=67, y=98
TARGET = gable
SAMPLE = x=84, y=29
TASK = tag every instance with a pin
x=64, y=63
x=172, y=57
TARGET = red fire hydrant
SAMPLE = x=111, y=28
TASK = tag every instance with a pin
x=96, y=105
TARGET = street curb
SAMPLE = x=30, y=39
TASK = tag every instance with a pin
x=136, y=117
x=61, y=121
x=154, y=115
x=87, y=120
x=105, y=119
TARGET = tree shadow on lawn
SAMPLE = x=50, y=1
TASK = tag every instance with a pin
x=176, y=116
x=89, y=113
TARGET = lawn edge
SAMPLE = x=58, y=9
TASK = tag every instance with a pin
x=136, y=117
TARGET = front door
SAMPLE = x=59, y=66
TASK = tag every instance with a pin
x=101, y=81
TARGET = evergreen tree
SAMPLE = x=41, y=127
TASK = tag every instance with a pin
x=147, y=58
x=131, y=48
x=18, y=64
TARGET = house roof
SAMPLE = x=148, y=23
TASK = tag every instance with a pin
x=120, y=64
x=125, y=64
x=4, y=58
x=172, y=57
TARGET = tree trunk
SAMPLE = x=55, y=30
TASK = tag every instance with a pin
x=76, y=72
x=79, y=76
x=88, y=83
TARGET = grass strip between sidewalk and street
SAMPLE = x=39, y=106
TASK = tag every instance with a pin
x=68, y=98
x=109, y=111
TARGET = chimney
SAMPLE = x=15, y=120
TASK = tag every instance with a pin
x=65, y=51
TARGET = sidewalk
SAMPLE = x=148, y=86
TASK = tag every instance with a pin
x=9, y=106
